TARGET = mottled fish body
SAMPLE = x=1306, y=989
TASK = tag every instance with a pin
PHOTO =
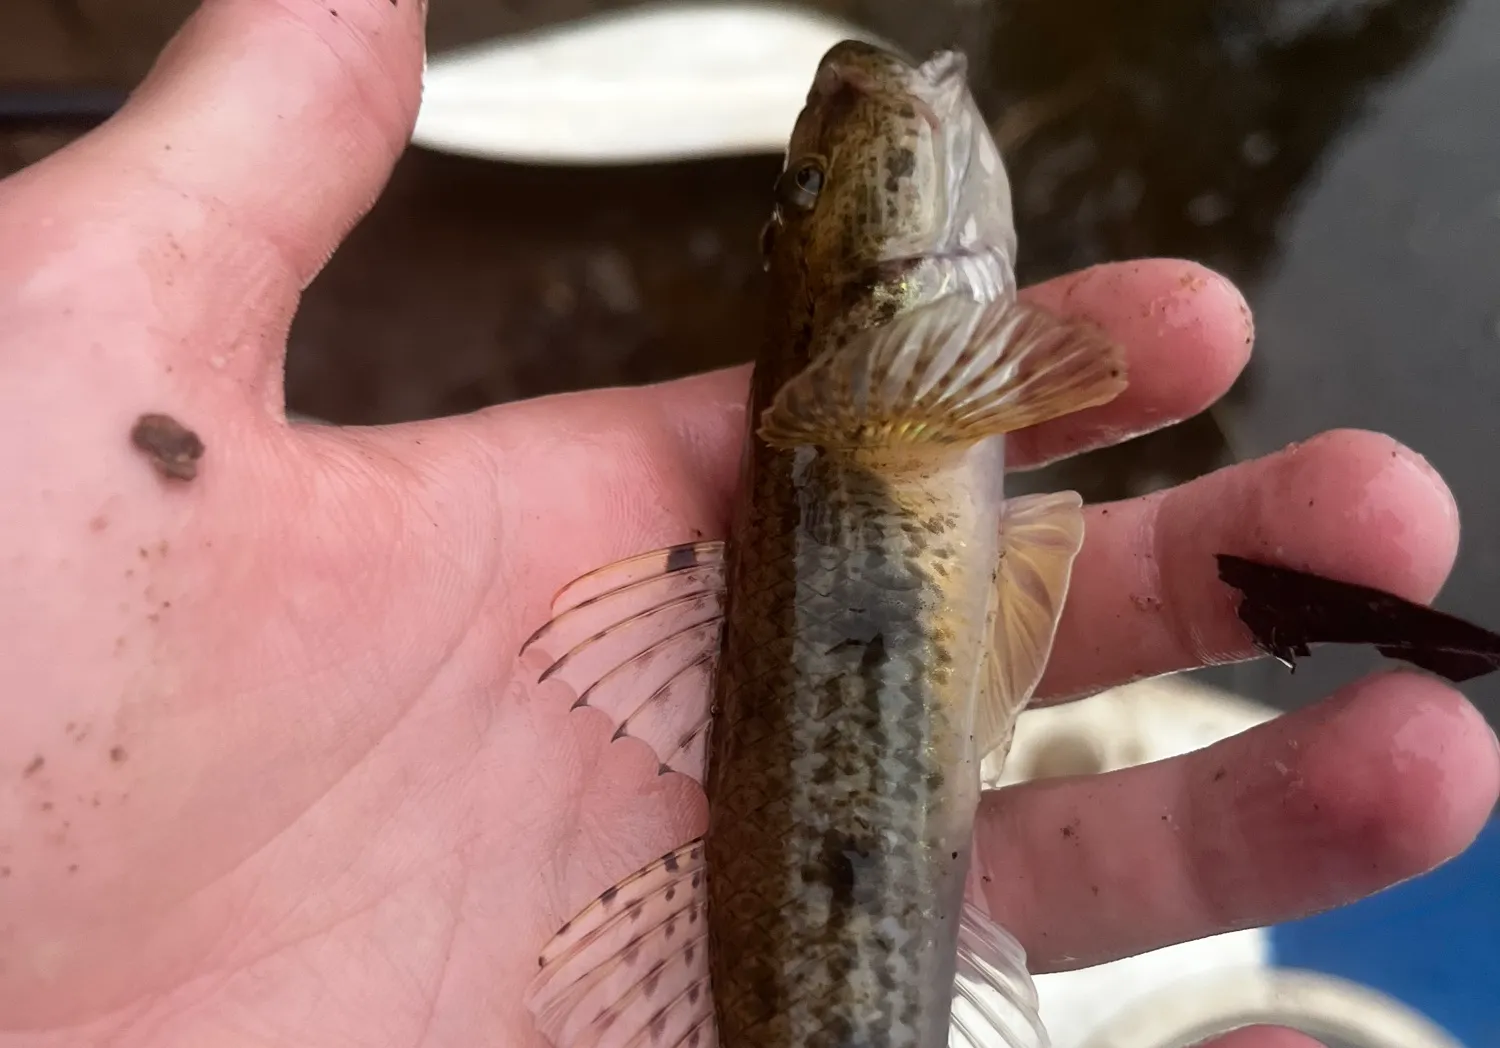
x=837, y=670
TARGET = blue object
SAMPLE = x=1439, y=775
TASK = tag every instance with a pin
x=1432, y=943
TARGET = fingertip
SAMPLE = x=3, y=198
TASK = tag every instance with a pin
x=1355, y=506
x=277, y=122
x=1403, y=778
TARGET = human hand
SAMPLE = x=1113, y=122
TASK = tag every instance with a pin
x=269, y=779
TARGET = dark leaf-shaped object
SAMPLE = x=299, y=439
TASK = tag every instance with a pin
x=1289, y=610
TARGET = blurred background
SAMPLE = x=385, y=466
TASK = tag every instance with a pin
x=1339, y=159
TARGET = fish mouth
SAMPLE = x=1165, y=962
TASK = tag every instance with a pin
x=945, y=69
x=939, y=82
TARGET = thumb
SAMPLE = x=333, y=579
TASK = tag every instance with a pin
x=263, y=134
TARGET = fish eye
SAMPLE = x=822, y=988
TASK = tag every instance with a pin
x=800, y=184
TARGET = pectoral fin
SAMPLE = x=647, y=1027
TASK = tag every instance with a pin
x=954, y=371
x=638, y=640
x=1042, y=535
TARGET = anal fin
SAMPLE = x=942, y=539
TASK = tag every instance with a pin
x=994, y=1000
x=1041, y=537
x=950, y=372
x=638, y=640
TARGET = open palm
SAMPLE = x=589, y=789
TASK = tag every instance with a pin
x=270, y=778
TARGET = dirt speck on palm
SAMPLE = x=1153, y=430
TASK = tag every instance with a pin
x=174, y=450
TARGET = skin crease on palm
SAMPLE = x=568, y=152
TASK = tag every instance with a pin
x=267, y=780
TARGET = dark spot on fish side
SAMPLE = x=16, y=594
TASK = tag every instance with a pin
x=697, y=879
x=117, y=754
x=1070, y=831
x=173, y=449
x=632, y=951
x=608, y=894
x=671, y=893
x=1094, y=888
x=693, y=990
x=898, y=165
x=847, y=864
x=695, y=1037
x=635, y=911
x=681, y=557
x=33, y=766
x=671, y=928
x=687, y=956
x=653, y=979
x=658, y=1024
x=670, y=862
x=955, y=855
x=1219, y=775
x=840, y=1029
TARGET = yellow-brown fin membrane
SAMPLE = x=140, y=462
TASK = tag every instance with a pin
x=953, y=371
x=994, y=1000
x=631, y=969
x=638, y=640
x=1040, y=539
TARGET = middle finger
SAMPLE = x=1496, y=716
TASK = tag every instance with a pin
x=1146, y=597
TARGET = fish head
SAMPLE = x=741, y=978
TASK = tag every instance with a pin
x=889, y=161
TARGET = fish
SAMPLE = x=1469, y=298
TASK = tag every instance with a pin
x=840, y=670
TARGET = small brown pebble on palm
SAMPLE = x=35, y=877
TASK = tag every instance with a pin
x=172, y=448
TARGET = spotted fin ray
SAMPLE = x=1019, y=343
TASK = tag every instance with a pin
x=631, y=970
x=638, y=640
x=951, y=372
